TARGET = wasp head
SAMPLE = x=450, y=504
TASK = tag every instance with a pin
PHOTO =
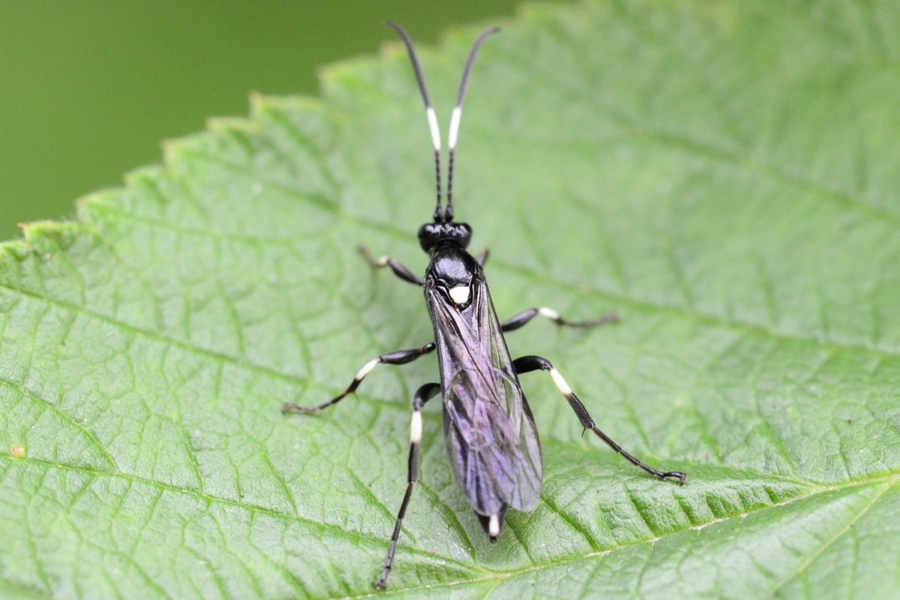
x=432, y=234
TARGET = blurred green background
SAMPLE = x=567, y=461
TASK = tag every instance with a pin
x=89, y=89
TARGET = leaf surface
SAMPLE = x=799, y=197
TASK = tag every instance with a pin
x=721, y=174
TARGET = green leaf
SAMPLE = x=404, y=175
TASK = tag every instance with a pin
x=722, y=174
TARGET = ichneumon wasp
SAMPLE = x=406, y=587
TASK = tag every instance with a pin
x=489, y=430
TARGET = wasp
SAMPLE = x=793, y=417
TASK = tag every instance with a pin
x=489, y=430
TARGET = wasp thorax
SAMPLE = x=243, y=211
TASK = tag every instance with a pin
x=454, y=271
x=431, y=234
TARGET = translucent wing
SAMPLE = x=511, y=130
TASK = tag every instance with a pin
x=488, y=426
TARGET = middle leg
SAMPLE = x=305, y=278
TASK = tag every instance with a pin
x=398, y=357
x=523, y=317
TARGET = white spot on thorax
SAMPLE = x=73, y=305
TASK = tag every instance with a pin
x=460, y=294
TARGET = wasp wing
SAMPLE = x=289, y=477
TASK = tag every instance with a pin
x=488, y=426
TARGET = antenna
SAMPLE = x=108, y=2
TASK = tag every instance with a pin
x=429, y=113
x=457, y=114
x=445, y=216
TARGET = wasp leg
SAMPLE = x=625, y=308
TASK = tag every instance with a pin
x=423, y=395
x=523, y=317
x=527, y=364
x=386, y=261
x=482, y=256
x=398, y=357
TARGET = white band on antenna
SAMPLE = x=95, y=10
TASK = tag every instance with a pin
x=454, y=126
x=435, y=130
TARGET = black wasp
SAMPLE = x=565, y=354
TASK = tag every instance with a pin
x=488, y=426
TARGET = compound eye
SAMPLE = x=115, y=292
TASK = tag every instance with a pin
x=429, y=234
x=463, y=233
